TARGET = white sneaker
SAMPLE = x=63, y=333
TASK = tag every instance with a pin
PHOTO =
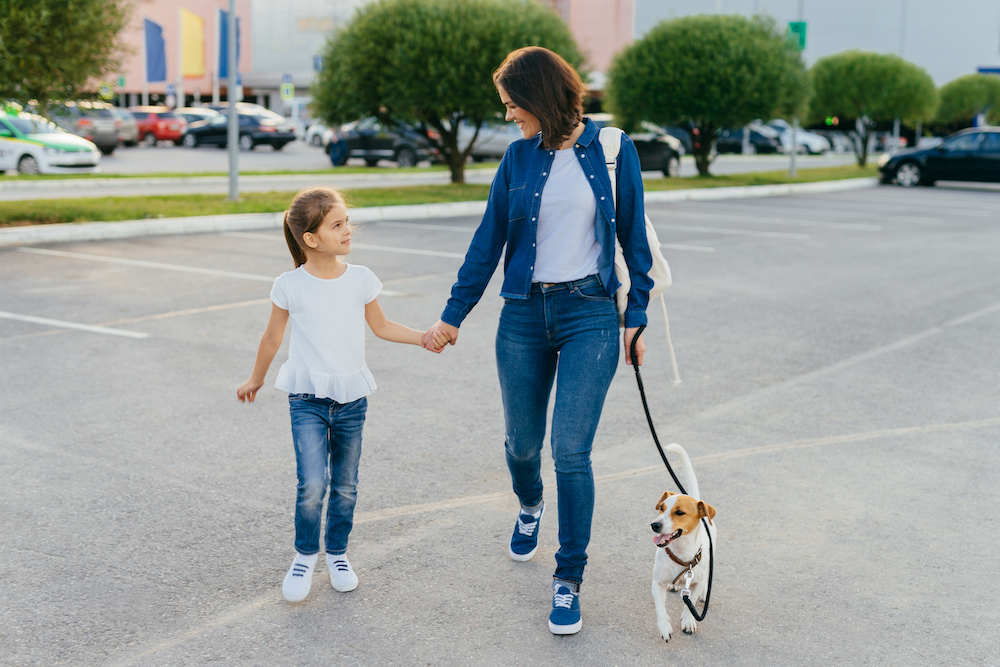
x=299, y=577
x=342, y=576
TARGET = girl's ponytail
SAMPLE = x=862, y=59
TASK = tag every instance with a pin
x=304, y=216
x=298, y=255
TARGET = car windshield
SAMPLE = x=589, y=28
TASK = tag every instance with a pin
x=966, y=142
x=91, y=112
x=33, y=125
x=167, y=114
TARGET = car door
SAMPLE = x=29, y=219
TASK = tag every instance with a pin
x=955, y=159
x=988, y=162
x=216, y=132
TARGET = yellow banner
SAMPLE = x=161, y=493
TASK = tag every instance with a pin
x=192, y=44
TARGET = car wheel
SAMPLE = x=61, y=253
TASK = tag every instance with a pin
x=189, y=141
x=108, y=150
x=673, y=168
x=149, y=139
x=406, y=158
x=370, y=162
x=316, y=141
x=246, y=143
x=909, y=174
x=278, y=146
x=28, y=166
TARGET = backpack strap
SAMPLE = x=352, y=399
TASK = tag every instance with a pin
x=611, y=142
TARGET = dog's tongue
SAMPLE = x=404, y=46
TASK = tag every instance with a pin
x=660, y=540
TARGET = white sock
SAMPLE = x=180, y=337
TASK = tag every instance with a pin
x=299, y=578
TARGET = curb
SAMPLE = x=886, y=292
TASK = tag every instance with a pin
x=100, y=231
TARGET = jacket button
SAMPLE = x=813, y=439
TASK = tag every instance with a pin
x=532, y=219
x=602, y=198
x=591, y=175
x=536, y=194
x=544, y=173
x=612, y=219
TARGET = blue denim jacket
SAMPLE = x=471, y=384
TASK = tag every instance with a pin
x=511, y=220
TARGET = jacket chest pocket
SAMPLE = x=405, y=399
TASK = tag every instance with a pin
x=515, y=202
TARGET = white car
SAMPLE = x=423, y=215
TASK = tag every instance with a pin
x=805, y=141
x=33, y=145
x=492, y=141
x=318, y=135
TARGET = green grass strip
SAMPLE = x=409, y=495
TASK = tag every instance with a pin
x=109, y=209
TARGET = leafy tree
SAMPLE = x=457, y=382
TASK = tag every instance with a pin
x=713, y=72
x=871, y=88
x=968, y=96
x=51, y=49
x=430, y=62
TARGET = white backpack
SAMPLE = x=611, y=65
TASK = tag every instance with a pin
x=659, y=272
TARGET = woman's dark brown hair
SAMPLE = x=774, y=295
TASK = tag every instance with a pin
x=304, y=217
x=546, y=86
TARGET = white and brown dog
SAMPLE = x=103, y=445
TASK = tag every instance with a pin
x=682, y=555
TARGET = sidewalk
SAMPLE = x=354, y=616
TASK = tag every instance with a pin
x=94, y=231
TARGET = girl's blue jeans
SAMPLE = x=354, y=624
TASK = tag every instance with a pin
x=327, y=438
x=567, y=333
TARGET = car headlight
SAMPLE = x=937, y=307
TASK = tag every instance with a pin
x=52, y=150
x=883, y=159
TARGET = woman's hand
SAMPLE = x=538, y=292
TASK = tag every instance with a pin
x=640, y=346
x=440, y=331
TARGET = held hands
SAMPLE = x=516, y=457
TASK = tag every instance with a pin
x=439, y=335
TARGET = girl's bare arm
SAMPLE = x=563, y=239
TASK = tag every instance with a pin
x=269, y=344
x=393, y=331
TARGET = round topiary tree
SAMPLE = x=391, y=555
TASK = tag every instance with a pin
x=713, y=72
x=430, y=62
x=871, y=88
x=966, y=97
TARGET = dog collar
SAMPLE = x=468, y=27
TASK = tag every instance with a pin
x=688, y=566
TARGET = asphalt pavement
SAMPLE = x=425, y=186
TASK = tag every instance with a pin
x=839, y=399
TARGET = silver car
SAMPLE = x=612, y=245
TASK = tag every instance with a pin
x=128, y=134
x=94, y=121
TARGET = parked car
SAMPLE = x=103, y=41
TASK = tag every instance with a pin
x=683, y=136
x=34, y=145
x=372, y=141
x=158, y=124
x=194, y=114
x=969, y=155
x=254, y=130
x=805, y=141
x=658, y=150
x=840, y=141
x=128, y=133
x=318, y=135
x=94, y=121
x=762, y=140
x=492, y=141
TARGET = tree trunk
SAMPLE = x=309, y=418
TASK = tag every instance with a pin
x=703, y=143
x=454, y=155
x=863, y=128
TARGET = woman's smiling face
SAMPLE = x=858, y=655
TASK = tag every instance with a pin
x=529, y=124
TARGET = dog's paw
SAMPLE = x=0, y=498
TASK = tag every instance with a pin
x=665, y=633
x=688, y=624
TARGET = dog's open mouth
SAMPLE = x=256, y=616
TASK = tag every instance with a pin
x=663, y=540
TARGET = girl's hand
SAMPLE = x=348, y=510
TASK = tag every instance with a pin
x=439, y=335
x=640, y=346
x=248, y=390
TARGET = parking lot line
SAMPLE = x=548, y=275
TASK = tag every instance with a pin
x=778, y=221
x=418, y=225
x=359, y=246
x=62, y=324
x=732, y=232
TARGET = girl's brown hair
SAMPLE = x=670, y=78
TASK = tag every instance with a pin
x=304, y=215
x=546, y=86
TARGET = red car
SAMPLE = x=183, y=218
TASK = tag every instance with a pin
x=158, y=124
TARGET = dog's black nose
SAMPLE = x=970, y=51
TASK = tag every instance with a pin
x=656, y=526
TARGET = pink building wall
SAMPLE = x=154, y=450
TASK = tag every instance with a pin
x=601, y=27
x=166, y=13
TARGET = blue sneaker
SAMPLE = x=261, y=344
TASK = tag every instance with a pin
x=524, y=541
x=565, y=618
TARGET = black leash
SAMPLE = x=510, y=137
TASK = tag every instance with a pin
x=652, y=429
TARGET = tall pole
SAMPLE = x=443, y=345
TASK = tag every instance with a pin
x=233, y=128
x=795, y=122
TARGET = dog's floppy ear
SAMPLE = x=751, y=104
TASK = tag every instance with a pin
x=704, y=509
x=659, y=503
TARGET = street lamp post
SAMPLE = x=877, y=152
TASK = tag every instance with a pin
x=232, y=126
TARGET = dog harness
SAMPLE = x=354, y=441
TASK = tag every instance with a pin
x=688, y=567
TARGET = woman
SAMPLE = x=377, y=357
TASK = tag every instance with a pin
x=551, y=205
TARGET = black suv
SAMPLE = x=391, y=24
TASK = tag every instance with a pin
x=372, y=141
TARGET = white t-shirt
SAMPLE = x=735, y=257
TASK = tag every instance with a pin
x=567, y=247
x=326, y=353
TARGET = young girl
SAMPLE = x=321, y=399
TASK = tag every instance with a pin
x=328, y=302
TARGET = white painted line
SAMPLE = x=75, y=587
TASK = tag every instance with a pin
x=973, y=316
x=73, y=325
x=148, y=265
x=418, y=225
x=168, y=267
x=776, y=221
x=692, y=248
x=408, y=251
x=734, y=232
